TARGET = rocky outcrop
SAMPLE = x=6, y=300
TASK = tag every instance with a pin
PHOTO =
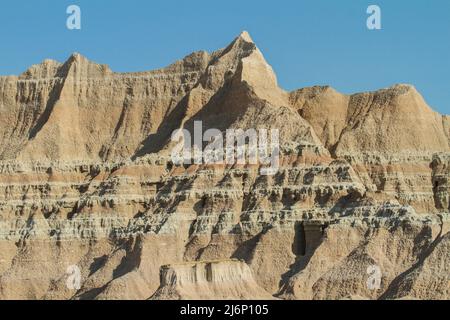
x=87, y=184
x=388, y=121
x=209, y=280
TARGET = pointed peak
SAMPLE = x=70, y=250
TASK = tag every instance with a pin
x=82, y=66
x=242, y=45
x=244, y=35
x=244, y=42
x=77, y=57
x=73, y=58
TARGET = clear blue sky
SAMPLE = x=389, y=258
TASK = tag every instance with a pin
x=308, y=42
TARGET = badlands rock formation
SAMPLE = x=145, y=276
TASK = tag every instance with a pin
x=359, y=207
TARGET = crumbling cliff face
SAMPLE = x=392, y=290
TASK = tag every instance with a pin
x=358, y=208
